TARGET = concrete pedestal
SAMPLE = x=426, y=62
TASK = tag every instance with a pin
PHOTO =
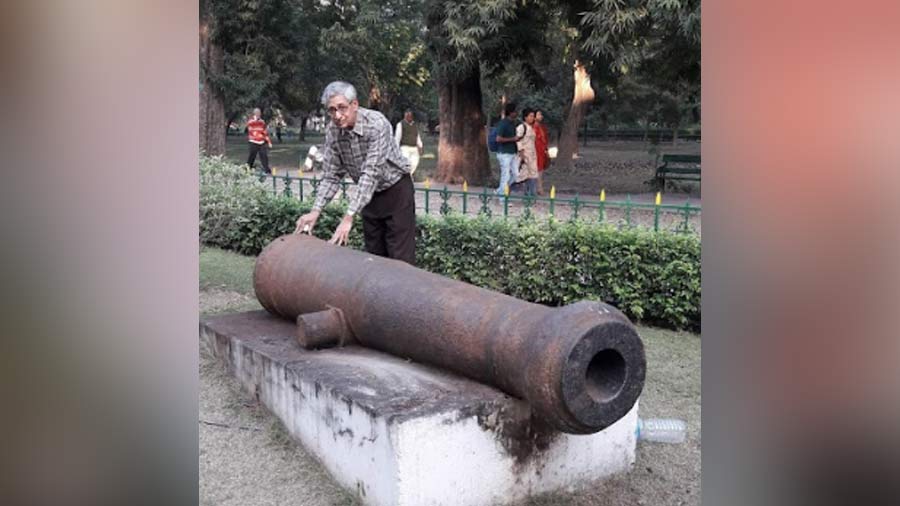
x=401, y=433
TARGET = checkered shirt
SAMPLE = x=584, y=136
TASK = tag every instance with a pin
x=367, y=153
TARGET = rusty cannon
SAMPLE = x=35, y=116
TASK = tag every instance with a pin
x=580, y=367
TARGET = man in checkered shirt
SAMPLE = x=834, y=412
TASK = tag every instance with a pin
x=359, y=143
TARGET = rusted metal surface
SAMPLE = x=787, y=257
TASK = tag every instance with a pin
x=581, y=367
x=322, y=329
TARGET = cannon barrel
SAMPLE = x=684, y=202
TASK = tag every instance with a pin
x=580, y=367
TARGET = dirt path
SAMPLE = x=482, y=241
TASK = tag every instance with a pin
x=621, y=167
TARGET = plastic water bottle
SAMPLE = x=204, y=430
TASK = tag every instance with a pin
x=661, y=430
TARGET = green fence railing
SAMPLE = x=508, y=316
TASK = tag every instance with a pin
x=682, y=218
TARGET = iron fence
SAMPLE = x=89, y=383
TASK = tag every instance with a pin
x=684, y=218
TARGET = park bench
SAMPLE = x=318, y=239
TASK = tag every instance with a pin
x=677, y=167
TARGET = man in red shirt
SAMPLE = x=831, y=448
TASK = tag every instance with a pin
x=258, y=138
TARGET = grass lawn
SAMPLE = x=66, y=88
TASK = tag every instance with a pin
x=662, y=474
x=224, y=270
x=226, y=282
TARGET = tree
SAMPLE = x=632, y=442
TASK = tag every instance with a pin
x=655, y=44
x=382, y=51
x=279, y=54
x=271, y=54
x=597, y=37
x=670, y=61
x=583, y=96
x=212, y=102
x=463, y=37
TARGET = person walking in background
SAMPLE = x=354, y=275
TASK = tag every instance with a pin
x=407, y=137
x=314, y=158
x=541, y=147
x=528, y=170
x=506, y=147
x=259, y=141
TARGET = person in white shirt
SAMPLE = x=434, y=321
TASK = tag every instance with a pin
x=407, y=137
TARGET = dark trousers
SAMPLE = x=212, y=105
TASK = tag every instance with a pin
x=263, y=151
x=389, y=222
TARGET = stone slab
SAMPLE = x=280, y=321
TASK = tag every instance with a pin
x=401, y=433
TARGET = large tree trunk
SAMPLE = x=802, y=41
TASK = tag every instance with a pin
x=583, y=96
x=212, y=103
x=462, y=148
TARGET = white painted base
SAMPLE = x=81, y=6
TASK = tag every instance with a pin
x=460, y=463
x=403, y=434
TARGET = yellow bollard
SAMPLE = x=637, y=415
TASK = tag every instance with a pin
x=506, y=190
x=465, y=186
x=427, y=183
x=603, y=195
x=658, y=198
x=274, y=171
x=553, y=192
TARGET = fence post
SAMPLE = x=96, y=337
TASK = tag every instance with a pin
x=465, y=195
x=506, y=201
x=552, y=198
x=628, y=210
x=485, y=210
x=602, y=205
x=529, y=202
x=685, y=227
x=656, y=212
x=445, y=197
x=427, y=192
x=287, y=185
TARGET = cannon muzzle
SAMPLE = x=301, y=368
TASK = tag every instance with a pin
x=581, y=367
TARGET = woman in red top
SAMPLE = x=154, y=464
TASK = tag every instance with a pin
x=540, y=145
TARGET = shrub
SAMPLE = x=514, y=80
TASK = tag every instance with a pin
x=652, y=277
x=239, y=213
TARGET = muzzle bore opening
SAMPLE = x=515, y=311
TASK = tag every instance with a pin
x=605, y=375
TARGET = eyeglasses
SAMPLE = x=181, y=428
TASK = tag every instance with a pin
x=343, y=108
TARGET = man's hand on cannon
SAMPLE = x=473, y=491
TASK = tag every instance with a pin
x=342, y=231
x=306, y=222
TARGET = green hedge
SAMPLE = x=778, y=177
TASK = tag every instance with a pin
x=653, y=277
